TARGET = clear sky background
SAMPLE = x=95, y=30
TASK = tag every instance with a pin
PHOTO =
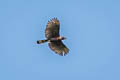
x=92, y=28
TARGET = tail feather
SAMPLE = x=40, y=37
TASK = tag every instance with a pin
x=41, y=41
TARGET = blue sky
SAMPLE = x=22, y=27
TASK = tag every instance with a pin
x=92, y=28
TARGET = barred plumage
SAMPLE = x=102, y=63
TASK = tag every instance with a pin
x=55, y=40
x=41, y=41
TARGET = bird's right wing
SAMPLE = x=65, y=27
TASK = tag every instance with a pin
x=59, y=48
x=52, y=28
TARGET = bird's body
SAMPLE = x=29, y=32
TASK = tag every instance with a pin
x=53, y=37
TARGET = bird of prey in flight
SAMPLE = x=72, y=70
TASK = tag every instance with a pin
x=53, y=37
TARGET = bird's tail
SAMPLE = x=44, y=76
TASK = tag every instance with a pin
x=41, y=41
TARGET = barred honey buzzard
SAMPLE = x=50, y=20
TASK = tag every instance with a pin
x=54, y=38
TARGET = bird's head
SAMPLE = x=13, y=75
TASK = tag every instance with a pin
x=61, y=38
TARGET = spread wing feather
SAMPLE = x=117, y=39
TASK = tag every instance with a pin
x=52, y=28
x=59, y=48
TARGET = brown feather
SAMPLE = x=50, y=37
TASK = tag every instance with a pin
x=53, y=37
x=52, y=28
x=59, y=48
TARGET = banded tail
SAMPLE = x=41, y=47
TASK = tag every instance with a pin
x=41, y=41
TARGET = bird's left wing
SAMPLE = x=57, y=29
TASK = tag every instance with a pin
x=59, y=48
